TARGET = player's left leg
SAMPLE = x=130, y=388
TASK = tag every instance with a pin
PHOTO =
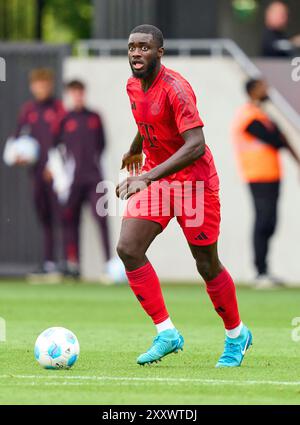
x=202, y=234
x=221, y=290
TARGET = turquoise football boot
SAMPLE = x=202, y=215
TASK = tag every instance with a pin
x=235, y=349
x=166, y=342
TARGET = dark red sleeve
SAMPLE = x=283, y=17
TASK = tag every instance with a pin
x=183, y=102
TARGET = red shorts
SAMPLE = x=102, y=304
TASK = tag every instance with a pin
x=196, y=208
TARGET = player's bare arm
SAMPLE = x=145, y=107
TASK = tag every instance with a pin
x=133, y=159
x=193, y=148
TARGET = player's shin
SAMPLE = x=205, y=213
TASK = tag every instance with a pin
x=223, y=296
x=146, y=287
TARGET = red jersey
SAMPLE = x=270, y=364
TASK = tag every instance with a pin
x=162, y=113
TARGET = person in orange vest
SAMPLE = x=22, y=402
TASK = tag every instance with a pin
x=258, y=141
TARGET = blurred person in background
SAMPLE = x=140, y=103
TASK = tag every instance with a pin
x=39, y=118
x=276, y=42
x=258, y=141
x=82, y=135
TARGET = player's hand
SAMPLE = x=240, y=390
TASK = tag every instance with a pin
x=21, y=162
x=296, y=40
x=132, y=185
x=47, y=175
x=133, y=163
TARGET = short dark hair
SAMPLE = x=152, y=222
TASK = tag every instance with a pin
x=250, y=84
x=150, y=29
x=75, y=84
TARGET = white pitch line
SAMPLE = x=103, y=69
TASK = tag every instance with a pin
x=152, y=379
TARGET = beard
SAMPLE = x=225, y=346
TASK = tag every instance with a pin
x=147, y=72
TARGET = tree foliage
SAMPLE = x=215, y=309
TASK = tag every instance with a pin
x=67, y=20
x=61, y=20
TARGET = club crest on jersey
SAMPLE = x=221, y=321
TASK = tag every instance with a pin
x=155, y=108
x=93, y=122
x=133, y=105
x=49, y=115
x=33, y=117
x=71, y=125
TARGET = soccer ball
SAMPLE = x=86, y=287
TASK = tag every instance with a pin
x=56, y=348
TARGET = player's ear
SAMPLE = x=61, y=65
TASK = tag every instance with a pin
x=161, y=51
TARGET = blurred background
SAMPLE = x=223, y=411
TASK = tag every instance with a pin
x=217, y=45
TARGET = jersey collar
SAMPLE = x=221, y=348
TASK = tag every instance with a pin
x=157, y=78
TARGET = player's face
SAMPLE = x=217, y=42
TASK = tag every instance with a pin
x=41, y=89
x=77, y=98
x=143, y=54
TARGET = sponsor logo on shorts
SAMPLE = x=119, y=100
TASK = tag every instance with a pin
x=201, y=237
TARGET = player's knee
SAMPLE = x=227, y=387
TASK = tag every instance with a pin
x=128, y=252
x=208, y=269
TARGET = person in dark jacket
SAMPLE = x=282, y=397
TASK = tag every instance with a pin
x=40, y=119
x=82, y=135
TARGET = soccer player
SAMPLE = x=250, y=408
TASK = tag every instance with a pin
x=171, y=137
x=82, y=135
x=40, y=119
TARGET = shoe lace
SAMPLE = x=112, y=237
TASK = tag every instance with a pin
x=231, y=349
x=163, y=343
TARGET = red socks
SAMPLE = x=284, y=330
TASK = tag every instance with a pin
x=222, y=294
x=145, y=284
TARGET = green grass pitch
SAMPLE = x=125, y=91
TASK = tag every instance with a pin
x=113, y=330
